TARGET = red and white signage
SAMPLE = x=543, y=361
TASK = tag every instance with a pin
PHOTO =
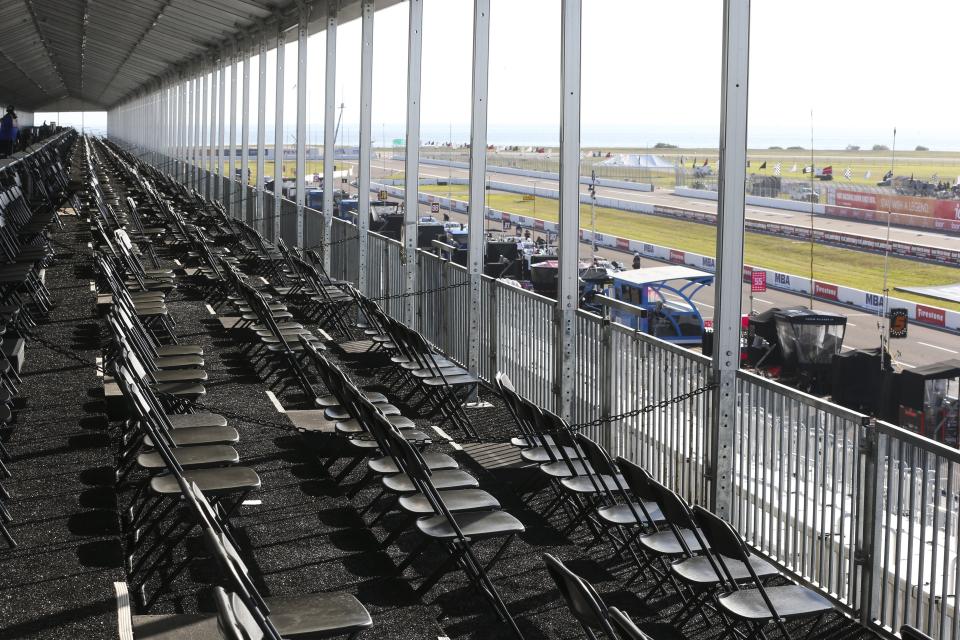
x=825, y=290
x=931, y=315
x=758, y=281
x=677, y=256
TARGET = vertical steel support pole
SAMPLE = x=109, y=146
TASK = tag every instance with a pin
x=245, y=136
x=184, y=130
x=366, y=135
x=197, y=142
x=261, y=129
x=301, y=179
x=478, y=173
x=222, y=94
x=730, y=211
x=178, y=140
x=329, y=133
x=569, y=247
x=231, y=197
x=278, y=135
x=212, y=171
x=191, y=129
x=412, y=166
x=204, y=129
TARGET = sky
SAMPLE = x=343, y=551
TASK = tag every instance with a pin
x=651, y=73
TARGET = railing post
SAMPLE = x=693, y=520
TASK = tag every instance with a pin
x=606, y=379
x=301, y=179
x=261, y=130
x=867, y=534
x=568, y=294
x=231, y=202
x=221, y=123
x=278, y=134
x=492, y=320
x=478, y=171
x=363, y=177
x=412, y=163
x=245, y=137
x=730, y=214
x=329, y=134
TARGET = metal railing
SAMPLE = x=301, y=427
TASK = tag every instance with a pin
x=864, y=511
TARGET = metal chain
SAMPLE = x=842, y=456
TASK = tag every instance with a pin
x=412, y=294
x=662, y=404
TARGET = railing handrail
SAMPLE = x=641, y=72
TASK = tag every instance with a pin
x=928, y=445
x=790, y=392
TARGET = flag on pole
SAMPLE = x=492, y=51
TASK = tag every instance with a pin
x=866, y=176
x=794, y=169
x=848, y=174
x=764, y=165
x=777, y=168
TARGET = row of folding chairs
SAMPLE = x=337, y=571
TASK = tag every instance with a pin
x=437, y=501
x=675, y=546
x=31, y=191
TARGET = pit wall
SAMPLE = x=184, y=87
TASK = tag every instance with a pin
x=869, y=301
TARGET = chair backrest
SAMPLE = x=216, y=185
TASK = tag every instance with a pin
x=582, y=599
x=227, y=623
x=678, y=515
x=624, y=626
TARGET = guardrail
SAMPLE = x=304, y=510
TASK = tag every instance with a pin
x=866, y=512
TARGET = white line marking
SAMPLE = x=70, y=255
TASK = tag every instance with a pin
x=762, y=300
x=927, y=344
x=850, y=324
x=276, y=403
x=211, y=311
x=124, y=617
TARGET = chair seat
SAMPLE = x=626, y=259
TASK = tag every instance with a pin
x=200, y=435
x=434, y=462
x=454, y=499
x=178, y=362
x=790, y=601
x=540, y=454
x=560, y=468
x=352, y=426
x=331, y=401
x=193, y=420
x=204, y=456
x=525, y=441
x=186, y=389
x=665, y=542
x=318, y=615
x=173, y=350
x=180, y=375
x=339, y=413
x=221, y=480
x=622, y=514
x=472, y=524
x=585, y=484
x=698, y=570
x=447, y=479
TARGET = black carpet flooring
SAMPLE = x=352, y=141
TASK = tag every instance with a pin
x=59, y=582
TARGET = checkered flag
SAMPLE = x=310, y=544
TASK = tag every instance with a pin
x=777, y=168
x=848, y=173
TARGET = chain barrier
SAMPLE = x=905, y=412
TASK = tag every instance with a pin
x=421, y=292
x=662, y=404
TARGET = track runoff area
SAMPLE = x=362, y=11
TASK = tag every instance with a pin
x=922, y=346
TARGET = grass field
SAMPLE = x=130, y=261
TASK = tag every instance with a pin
x=856, y=269
x=920, y=164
